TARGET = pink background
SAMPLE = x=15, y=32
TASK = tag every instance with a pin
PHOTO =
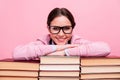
x=23, y=21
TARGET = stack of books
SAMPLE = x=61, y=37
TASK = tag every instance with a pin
x=19, y=70
x=100, y=68
x=59, y=68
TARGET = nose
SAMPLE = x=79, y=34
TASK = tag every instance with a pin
x=61, y=33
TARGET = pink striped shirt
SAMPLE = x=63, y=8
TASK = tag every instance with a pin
x=41, y=47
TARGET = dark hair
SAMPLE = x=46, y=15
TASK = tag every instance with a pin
x=58, y=12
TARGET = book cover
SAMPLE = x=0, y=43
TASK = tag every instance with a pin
x=59, y=73
x=100, y=69
x=59, y=67
x=59, y=60
x=17, y=73
x=19, y=65
x=59, y=78
x=17, y=78
x=101, y=75
x=99, y=61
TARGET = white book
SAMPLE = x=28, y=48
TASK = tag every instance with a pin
x=59, y=67
x=59, y=60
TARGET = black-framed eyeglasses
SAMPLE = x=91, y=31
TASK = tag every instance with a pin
x=57, y=29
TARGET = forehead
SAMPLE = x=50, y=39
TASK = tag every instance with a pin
x=60, y=21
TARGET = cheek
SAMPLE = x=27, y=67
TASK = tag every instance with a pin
x=52, y=36
x=69, y=36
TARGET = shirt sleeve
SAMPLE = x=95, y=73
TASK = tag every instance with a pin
x=90, y=49
x=32, y=50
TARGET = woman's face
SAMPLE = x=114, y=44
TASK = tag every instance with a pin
x=60, y=30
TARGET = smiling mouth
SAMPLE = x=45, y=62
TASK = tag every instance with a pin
x=61, y=40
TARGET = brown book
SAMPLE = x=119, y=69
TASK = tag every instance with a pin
x=59, y=73
x=102, y=79
x=59, y=60
x=19, y=65
x=99, y=61
x=101, y=76
x=18, y=73
x=100, y=69
x=59, y=67
x=17, y=78
x=59, y=78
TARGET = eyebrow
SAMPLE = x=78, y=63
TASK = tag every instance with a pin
x=62, y=26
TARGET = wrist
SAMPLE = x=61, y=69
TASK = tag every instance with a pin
x=66, y=52
x=54, y=48
x=60, y=47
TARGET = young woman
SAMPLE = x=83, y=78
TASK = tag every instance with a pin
x=60, y=41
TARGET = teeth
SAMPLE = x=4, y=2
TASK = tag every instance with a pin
x=61, y=40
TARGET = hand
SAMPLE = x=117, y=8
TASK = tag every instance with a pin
x=63, y=47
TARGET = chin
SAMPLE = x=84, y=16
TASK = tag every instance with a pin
x=61, y=43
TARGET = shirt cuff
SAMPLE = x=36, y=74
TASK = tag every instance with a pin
x=54, y=48
x=66, y=52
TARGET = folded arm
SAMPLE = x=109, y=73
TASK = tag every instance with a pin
x=90, y=49
x=35, y=49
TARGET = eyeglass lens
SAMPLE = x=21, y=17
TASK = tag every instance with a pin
x=56, y=29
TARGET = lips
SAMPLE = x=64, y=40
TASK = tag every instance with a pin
x=61, y=40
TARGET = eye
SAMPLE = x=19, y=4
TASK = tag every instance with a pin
x=67, y=28
x=55, y=28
